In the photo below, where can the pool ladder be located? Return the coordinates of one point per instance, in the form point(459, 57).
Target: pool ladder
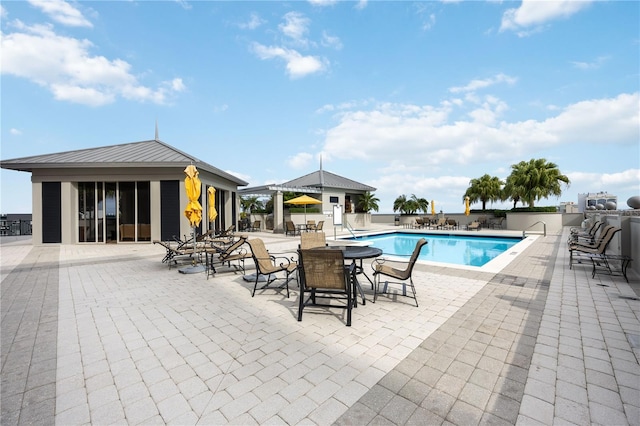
point(544, 229)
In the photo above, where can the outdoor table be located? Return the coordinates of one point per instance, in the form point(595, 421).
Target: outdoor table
point(355, 253)
point(301, 227)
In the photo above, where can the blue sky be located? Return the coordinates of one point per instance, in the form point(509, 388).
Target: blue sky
point(408, 97)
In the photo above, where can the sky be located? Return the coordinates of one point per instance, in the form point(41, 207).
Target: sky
point(410, 97)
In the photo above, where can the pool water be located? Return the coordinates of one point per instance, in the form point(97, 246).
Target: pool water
point(455, 249)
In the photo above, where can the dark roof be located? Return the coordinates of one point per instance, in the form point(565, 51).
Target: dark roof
point(325, 179)
point(152, 153)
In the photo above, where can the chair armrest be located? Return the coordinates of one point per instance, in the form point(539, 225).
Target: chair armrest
point(383, 260)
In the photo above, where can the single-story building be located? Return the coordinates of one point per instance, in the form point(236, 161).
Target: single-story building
point(132, 192)
point(330, 188)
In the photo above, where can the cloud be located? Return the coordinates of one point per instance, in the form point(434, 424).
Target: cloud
point(297, 65)
point(627, 179)
point(254, 22)
point(295, 27)
point(534, 13)
point(323, 3)
point(590, 65)
point(15, 132)
point(426, 136)
point(300, 161)
point(65, 66)
point(331, 41)
point(62, 13)
point(483, 84)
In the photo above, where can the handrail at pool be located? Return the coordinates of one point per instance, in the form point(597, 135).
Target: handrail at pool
point(544, 229)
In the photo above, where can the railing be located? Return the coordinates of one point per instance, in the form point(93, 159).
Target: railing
point(544, 229)
point(350, 229)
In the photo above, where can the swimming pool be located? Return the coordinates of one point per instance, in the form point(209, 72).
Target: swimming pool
point(443, 248)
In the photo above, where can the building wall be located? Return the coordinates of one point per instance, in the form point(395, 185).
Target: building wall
point(69, 194)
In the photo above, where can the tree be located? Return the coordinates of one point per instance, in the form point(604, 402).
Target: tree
point(368, 202)
point(511, 191)
point(485, 188)
point(410, 205)
point(251, 204)
point(421, 204)
point(537, 179)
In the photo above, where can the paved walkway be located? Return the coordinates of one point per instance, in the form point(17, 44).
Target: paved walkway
point(108, 335)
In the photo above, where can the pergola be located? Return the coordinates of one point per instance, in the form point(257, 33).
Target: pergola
point(278, 202)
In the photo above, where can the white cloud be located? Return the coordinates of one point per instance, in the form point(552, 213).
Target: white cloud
point(15, 132)
point(626, 180)
point(65, 66)
point(296, 26)
point(323, 3)
point(300, 161)
point(483, 84)
point(331, 41)
point(62, 12)
point(534, 13)
point(426, 136)
point(254, 22)
point(297, 65)
point(597, 63)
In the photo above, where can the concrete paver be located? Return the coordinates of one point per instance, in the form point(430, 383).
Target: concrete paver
point(135, 342)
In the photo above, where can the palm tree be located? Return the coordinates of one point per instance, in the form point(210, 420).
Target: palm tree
point(368, 202)
point(251, 204)
point(485, 188)
point(401, 204)
point(511, 191)
point(421, 203)
point(536, 179)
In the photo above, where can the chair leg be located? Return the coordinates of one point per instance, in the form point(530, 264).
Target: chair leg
point(301, 304)
point(413, 288)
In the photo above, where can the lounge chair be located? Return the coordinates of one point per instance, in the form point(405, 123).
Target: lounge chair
point(419, 223)
point(589, 236)
point(387, 268)
point(323, 275)
point(439, 224)
point(290, 228)
point(593, 243)
point(496, 224)
point(309, 240)
point(474, 226)
point(576, 250)
point(174, 252)
point(234, 252)
point(450, 224)
point(266, 265)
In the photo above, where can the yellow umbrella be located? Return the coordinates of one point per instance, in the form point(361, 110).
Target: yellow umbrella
point(433, 208)
point(192, 185)
point(467, 210)
point(303, 200)
point(212, 204)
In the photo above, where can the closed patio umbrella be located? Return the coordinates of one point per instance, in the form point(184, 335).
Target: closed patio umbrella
point(433, 208)
point(211, 208)
point(467, 210)
point(193, 211)
point(303, 200)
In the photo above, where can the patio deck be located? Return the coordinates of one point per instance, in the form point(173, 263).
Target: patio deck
point(107, 334)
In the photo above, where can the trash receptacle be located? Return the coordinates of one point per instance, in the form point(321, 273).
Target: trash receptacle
point(396, 220)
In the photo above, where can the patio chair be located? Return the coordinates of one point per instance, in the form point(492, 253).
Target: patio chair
point(589, 236)
point(323, 275)
point(267, 264)
point(309, 240)
point(593, 243)
point(311, 225)
point(174, 252)
point(576, 250)
point(401, 276)
point(255, 226)
point(290, 228)
point(227, 232)
point(217, 255)
point(439, 224)
point(319, 226)
point(474, 226)
point(497, 224)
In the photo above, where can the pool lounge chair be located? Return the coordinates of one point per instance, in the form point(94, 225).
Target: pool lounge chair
point(473, 226)
point(439, 224)
point(220, 255)
point(577, 251)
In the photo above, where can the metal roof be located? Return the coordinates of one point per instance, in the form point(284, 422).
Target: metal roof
point(152, 153)
point(324, 179)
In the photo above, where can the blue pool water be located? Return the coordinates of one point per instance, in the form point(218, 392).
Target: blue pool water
point(455, 249)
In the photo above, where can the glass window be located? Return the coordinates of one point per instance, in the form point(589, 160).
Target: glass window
point(144, 211)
